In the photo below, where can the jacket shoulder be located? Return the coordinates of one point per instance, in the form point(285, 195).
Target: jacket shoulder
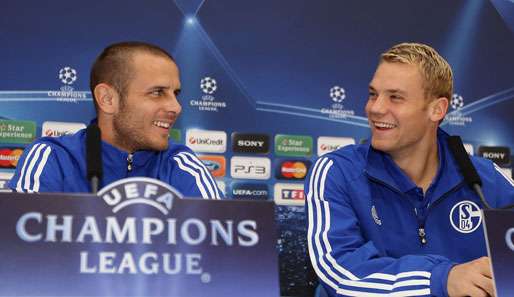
point(350, 159)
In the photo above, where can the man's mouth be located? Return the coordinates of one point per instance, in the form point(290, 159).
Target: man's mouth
point(162, 124)
point(383, 125)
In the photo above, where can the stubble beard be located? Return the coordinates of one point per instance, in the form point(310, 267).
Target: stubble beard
point(130, 133)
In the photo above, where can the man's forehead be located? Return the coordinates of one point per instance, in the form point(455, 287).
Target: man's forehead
point(396, 76)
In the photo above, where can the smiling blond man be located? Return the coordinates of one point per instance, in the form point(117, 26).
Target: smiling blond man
point(135, 87)
point(393, 217)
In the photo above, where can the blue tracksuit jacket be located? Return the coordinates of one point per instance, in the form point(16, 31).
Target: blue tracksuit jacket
point(372, 232)
point(59, 165)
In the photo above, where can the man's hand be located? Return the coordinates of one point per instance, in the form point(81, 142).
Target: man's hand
point(471, 279)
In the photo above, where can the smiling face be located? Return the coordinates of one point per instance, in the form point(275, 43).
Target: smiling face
point(150, 106)
point(401, 118)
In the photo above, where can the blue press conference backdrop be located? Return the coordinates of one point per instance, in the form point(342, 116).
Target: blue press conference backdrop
point(261, 67)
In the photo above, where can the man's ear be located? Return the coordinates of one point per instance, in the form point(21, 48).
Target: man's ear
point(107, 98)
point(438, 109)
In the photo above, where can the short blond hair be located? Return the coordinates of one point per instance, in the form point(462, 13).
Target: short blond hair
point(435, 70)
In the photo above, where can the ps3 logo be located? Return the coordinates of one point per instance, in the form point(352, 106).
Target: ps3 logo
point(250, 168)
point(465, 216)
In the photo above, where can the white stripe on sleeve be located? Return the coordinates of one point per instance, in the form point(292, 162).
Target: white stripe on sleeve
point(28, 174)
point(503, 174)
point(194, 174)
point(24, 167)
point(40, 167)
point(207, 178)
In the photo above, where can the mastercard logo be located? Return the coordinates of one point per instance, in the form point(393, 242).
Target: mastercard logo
point(9, 157)
point(292, 169)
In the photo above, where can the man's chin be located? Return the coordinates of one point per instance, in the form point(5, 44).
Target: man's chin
point(381, 145)
point(160, 147)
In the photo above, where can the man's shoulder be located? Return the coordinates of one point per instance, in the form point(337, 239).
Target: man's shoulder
point(176, 148)
point(350, 155)
point(71, 144)
point(482, 164)
point(350, 159)
point(65, 142)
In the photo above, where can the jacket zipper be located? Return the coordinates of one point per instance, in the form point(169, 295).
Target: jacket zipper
point(129, 162)
point(421, 221)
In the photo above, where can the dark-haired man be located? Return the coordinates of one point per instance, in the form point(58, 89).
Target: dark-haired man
point(135, 87)
point(394, 217)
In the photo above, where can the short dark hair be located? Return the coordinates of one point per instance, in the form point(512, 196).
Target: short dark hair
point(113, 65)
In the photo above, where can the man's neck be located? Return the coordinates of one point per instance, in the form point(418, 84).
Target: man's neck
point(420, 164)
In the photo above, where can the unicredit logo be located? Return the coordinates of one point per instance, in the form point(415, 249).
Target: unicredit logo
point(326, 147)
point(328, 144)
point(207, 141)
point(56, 129)
point(250, 143)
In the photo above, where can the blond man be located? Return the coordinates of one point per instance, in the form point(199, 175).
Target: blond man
point(393, 217)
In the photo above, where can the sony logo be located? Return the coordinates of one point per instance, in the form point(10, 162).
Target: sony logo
point(492, 155)
point(250, 143)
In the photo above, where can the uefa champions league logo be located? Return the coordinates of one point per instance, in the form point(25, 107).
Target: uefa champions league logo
point(457, 102)
point(68, 75)
point(456, 117)
point(208, 85)
point(208, 102)
point(337, 94)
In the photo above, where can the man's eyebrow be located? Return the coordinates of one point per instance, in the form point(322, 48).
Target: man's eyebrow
point(158, 87)
point(396, 91)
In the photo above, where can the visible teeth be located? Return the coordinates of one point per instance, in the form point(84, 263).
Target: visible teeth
point(384, 125)
point(161, 124)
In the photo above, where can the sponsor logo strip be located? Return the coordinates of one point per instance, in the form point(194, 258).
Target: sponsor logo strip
point(9, 157)
point(250, 167)
point(289, 194)
point(5, 177)
point(498, 154)
point(328, 144)
point(292, 169)
point(17, 131)
point(56, 129)
point(293, 145)
point(216, 164)
point(254, 191)
point(250, 143)
point(206, 141)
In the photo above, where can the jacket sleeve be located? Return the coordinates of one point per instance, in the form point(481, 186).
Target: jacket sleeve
point(37, 170)
point(192, 178)
point(347, 264)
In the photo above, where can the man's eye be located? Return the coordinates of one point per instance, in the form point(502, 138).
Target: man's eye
point(157, 92)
